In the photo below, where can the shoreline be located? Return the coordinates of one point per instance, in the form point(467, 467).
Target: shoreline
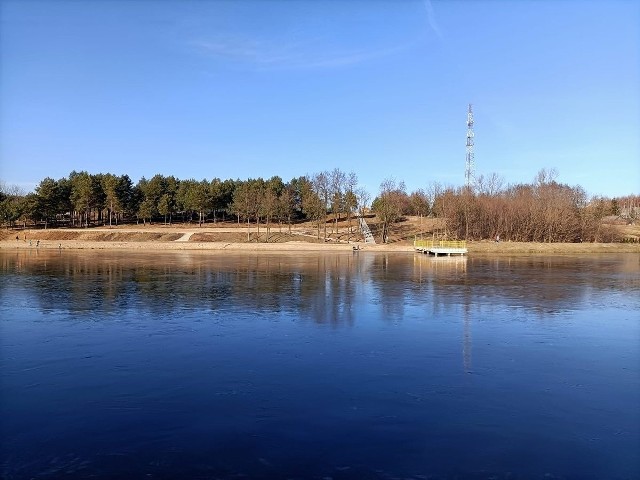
point(474, 248)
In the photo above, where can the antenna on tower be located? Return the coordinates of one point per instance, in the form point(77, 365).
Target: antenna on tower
point(469, 164)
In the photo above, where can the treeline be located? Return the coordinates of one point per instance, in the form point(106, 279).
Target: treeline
point(546, 212)
point(83, 199)
point(542, 211)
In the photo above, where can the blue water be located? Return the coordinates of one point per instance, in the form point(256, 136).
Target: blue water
point(196, 365)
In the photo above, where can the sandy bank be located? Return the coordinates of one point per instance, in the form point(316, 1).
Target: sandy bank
point(475, 248)
point(175, 245)
point(517, 248)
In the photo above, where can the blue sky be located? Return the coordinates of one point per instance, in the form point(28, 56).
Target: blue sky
point(203, 89)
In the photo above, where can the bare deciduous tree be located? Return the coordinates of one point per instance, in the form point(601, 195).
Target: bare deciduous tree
point(389, 204)
point(322, 187)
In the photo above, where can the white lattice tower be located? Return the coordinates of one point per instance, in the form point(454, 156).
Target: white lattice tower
point(469, 164)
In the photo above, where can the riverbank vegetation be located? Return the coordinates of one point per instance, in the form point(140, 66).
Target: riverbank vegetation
point(542, 211)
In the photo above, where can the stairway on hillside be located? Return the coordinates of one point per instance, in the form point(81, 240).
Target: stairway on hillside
point(364, 228)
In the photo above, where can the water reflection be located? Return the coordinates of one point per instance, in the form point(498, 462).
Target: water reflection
point(354, 365)
point(337, 289)
point(321, 286)
point(427, 269)
point(324, 287)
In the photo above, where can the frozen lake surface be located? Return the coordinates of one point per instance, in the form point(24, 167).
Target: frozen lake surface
point(196, 365)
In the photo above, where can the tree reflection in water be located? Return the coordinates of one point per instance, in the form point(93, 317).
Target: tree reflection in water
point(324, 287)
point(225, 365)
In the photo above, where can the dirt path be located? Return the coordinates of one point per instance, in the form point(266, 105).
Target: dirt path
point(185, 237)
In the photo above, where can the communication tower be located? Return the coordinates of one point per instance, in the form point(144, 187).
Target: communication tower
point(469, 164)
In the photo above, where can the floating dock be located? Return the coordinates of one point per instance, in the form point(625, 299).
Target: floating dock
point(441, 247)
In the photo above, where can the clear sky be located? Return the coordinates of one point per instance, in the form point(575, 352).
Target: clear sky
point(237, 89)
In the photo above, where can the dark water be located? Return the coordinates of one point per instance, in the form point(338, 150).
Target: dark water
point(192, 365)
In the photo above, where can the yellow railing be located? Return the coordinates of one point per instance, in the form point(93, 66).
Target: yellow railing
point(440, 243)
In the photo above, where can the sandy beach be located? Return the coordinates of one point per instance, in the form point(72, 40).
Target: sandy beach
point(233, 239)
point(175, 245)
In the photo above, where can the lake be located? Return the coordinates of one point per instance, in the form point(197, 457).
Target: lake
point(353, 365)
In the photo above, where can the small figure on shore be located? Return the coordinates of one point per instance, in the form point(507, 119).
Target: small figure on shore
point(17, 238)
point(497, 238)
point(30, 243)
point(37, 243)
point(59, 246)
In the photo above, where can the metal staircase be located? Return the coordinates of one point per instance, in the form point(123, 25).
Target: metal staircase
point(364, 228)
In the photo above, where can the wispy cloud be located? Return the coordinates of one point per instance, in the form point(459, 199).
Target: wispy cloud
point(228, 49)
point(291, 55)
point(431, 19)
point(355, 57)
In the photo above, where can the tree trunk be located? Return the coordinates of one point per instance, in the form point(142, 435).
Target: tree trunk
point(325, 227)
point(268, 229)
